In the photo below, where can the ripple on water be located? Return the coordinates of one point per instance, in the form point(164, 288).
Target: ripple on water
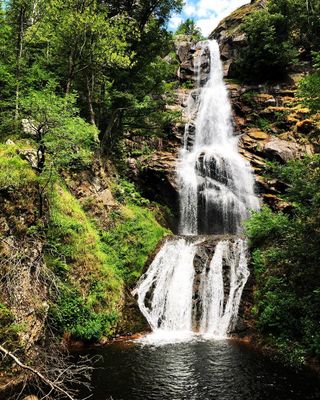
point(197, 369)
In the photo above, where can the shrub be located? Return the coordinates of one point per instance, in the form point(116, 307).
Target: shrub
point(14, 171)
point(91, 287)
point(285, 260)
point(268, 53)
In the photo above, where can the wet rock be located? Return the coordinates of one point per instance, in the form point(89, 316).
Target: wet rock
point(182, 48)
point(241, 326)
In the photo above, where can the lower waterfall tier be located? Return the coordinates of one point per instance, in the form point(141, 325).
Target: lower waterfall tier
point(195, 284)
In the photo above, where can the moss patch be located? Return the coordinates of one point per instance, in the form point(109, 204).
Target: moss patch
point(14, 171)
point(95, 266)
point(134, 236)
point(91, 294)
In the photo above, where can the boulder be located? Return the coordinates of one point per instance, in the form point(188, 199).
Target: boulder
point(29, 127)
point(29, 155)
point(282, 150)
point(306, 126)
point(182, 50)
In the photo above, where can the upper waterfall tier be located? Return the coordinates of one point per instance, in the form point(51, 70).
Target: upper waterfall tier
point(216, 183)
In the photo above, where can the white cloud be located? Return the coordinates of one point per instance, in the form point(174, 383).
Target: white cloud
point(206, 13)
point(207, 25)
point(175, 21)
point(189, 10)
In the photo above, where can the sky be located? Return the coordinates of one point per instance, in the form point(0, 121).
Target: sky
point(206, 13)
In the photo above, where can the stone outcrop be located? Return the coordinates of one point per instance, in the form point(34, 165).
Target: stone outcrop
point(230, 36)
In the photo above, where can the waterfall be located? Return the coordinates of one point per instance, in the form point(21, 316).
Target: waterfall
point(217, 186)
point(171, 274)
point(191, 286)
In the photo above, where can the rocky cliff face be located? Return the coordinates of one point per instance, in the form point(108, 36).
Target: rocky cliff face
point(230, 36)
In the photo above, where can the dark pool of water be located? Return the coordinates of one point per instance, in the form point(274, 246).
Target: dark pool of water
point(203, 370)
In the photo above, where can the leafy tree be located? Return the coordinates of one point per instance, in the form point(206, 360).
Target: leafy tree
point(268, 54)
point(302, 19)
point(7, 78)
point(309, 87)
point(286, 250)
point(189, 28)
point(62, 139)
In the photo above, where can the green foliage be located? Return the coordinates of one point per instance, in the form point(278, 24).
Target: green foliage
point(110, 53)
point(309, 87)
point(133, 237)
point(15, 172)
point(125, 191)
point(263, 124)
point(91, 287)
point(285, 259)
point(275, 36)
point(93, 265)
point(268, 53)
point(189, 28)
point(8, 328)
point(60, 135)
point(265, 224)
point(74, 315)
point(301, 19)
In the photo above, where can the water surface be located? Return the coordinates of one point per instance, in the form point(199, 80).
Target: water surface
point(196, 370)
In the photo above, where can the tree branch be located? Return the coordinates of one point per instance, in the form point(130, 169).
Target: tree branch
point(43, 378)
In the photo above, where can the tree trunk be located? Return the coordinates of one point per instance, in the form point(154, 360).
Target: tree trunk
point(19, 59)
point(70, 72)
point(89, 99)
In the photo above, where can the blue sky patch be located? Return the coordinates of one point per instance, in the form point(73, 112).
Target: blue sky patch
point(206, 13)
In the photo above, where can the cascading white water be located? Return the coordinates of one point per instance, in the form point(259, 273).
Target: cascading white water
point(166, 291)
point(217, 186)
point(216, 194)
point(218, 317)
point(171, 274)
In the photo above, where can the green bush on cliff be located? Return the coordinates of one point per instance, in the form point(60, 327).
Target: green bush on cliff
point(74, 315)
point(14, 171)
point(309, 87)
point(94, 265)
point(189, 28)
point(286, 253)
point(62, 138)
point(268, 54)
point(8, 328)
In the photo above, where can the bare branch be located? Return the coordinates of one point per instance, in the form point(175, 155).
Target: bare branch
point(43, 378)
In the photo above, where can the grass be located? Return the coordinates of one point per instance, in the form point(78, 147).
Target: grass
point(14, 171)
point(128, 244)
point(95, 266)
point(91, 294)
